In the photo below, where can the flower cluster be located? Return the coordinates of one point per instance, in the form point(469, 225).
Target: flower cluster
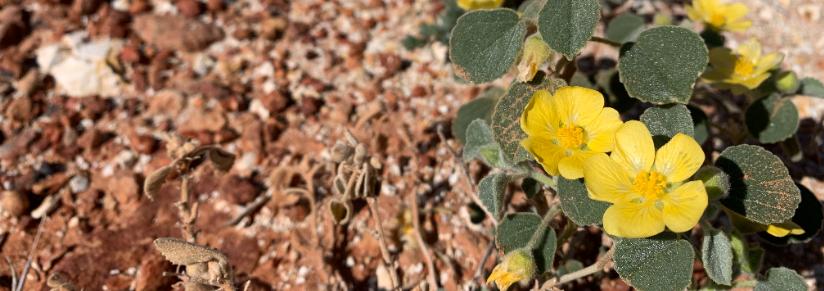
point(570, 132)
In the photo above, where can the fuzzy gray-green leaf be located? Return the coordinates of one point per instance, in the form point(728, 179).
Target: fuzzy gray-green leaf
point(812, 87)
point(480, 107)
point(658, 263)
point(772, 119)
point(667, 121)
point(625, 27)
point(663, 65)
point(577, 205)
point(761, 188)
point(567, 25)
point(492, 191)
point(716, 254)
point(486, 43)
point(781, 279)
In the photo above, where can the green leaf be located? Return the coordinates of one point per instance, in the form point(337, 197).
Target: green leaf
point(567, 25)
point(772, 119)
point(748, 259)
point(812, 87)
point(506, 116)
point(569, 266)
point(478, 108)
point(761, 188)
point(663, 65)
point(486, 43)
point(782, 279)
point(658, 263)
point(625, 28)
point(577, 205)
point(716, 254)
point(492, 191)
point(808, 215)
point(665, 122)
point(700, 120)
point(480, 143)
point(516, 229)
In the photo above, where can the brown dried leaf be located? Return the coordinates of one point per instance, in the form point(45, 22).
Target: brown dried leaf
point(181, 252)
point(155, 180)
point(222, 160)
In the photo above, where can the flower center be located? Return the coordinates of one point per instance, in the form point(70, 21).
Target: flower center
point(651, 185)
point(717, 20)
point(743, 67)
point(571, 137)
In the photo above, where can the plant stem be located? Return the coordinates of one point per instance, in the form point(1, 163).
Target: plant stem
point(605, 41)
point(548, 181)
point(598, 266)
point(538, 235)
point(568, 231)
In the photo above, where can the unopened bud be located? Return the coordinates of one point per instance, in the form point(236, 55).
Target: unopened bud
point(536, 53)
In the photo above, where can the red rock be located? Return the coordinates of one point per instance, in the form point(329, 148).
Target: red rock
point(189, 8)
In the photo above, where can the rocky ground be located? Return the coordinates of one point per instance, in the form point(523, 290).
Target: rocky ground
point(92, 91)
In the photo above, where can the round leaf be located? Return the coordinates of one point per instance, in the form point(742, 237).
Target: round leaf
point(663, 65)
point(577, 205)
point(480, 107)
point(782, 279)
point(772, 119)
point(515, 231)
point(567, 25)
point(486, 43)
point(624, 28)
point(665, 122)
point(761, 188)
point(808, 215)
point(492, 191)
point(812, 87)
point(658, 263)
point(716, 254)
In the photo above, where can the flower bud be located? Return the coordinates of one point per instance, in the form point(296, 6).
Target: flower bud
point(517, 265)
point(787, 82)
point(715, 181)
point(536, 53)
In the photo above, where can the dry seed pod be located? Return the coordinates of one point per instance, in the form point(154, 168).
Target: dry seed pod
point(222, 160)
point(341, 152)
point(181, 252)
point(341, 210)
point(360, 154)
point(155, 180)
point(57, 281)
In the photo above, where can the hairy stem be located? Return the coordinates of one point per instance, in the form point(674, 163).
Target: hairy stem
point(538, 235)
point(604, 41)
point(598, 266)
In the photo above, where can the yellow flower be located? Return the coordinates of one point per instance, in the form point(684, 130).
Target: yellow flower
point(785, 228)
point(647, 189)
point(719, 16)
point(516, 266)
point(565, 129)
point(536, 53)
point(479, 4)
point(745, 67)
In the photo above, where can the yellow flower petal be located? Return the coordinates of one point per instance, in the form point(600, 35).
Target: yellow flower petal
point(785, 228)
point(545, 152)
point(738, 25)
point(577, 105)
point(605, 179)
point(684, 206)
point(634, 149)
point(633, 220)
point(736, 11)
point(538, 117)
point(601, 132)
point(753, 81)
point(679, 158)
point(750, 50)
point(768, 62)
point(572, 167)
